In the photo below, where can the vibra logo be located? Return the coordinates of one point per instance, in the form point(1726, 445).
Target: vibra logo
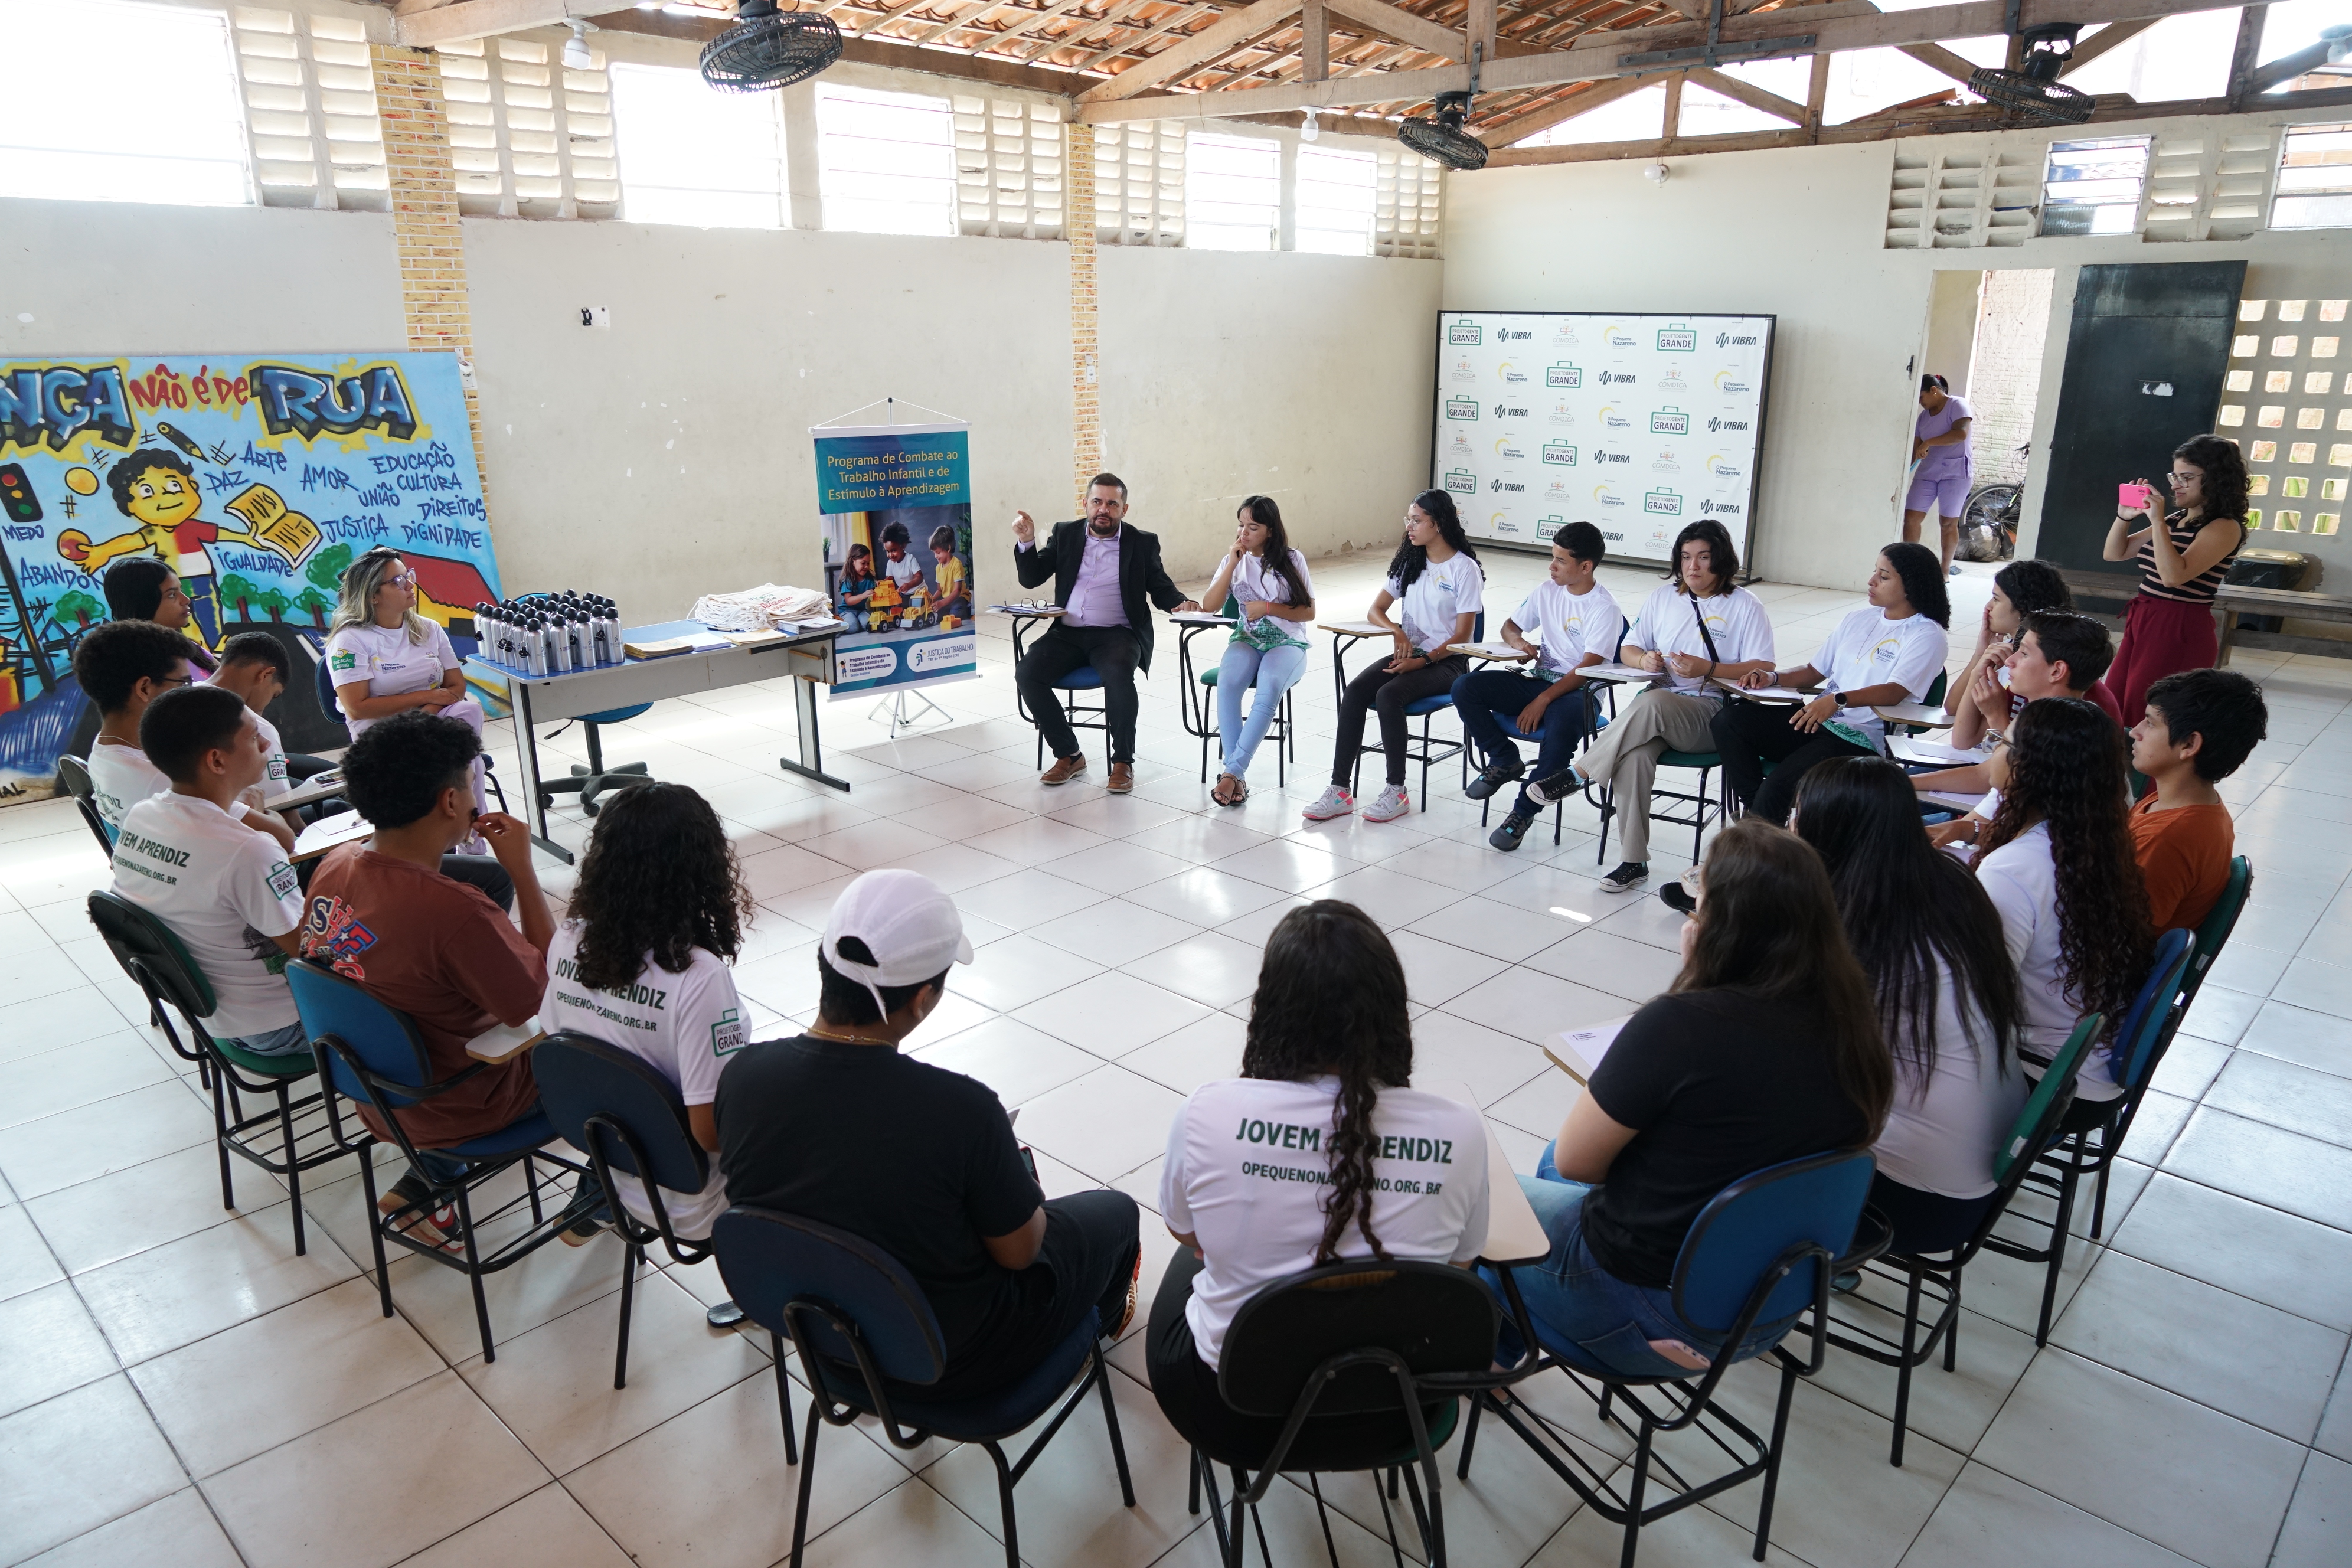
point(1613, 420)
point(1730, 384)
point(1720, 508)
point(1462, 408)
point(1461, 482)
point(1677, 339)
point(1511, 337)
point(1618, 378)
point(1505, 487)
point(1606, 495)
point(1463, 334)
point(1567, 375)
point(1662, 502)
point(1560, 453)
point(1511, 377)
point(1610, 455)
point(1505, 449)
point(1505, 411)
point(1727, 424)
point(1723, 468)
point(1612, 536)
point(1669, 421)
point(1726, 340)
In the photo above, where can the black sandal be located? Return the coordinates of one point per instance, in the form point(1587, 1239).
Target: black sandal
point(1217, 792)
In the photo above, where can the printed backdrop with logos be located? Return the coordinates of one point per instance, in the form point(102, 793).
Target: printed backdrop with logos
point(257, 478)
point(1635, 424)
point(896, 505)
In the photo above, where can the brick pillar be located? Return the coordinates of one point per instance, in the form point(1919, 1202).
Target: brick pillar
point(1078, 223)
point(433, 299)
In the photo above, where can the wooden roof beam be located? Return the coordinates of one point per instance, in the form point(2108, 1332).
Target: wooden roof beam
point(1541, 120)
point(1195, 49)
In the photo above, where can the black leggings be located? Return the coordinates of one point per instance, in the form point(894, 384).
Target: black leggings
point(1750, 734)
point(1376, 688)
point(1924, 1221)
point(1087, 1263)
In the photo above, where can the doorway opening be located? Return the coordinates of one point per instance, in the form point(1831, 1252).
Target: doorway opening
point(1985, 337)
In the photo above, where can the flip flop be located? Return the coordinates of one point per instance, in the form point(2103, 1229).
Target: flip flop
point(1219, 793)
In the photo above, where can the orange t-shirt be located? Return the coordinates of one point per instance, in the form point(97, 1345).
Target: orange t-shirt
point(2184, 858)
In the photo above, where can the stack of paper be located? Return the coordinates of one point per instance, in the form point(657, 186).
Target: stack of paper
point(1580, 1051)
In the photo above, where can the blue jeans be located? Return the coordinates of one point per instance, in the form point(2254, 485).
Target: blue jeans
point(1275, 671)
point(1577, 1300)
point(1478, 697)
point(283, 1042)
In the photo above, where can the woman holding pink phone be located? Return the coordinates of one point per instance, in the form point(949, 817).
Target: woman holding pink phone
point(2183, 556)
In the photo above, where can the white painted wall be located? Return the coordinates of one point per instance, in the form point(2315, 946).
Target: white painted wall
point(1800, 232)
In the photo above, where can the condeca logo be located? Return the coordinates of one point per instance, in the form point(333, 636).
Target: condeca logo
point(1457, 446)
point(1672, 380)
point(1727, 340)
point(1505, 449)
point(1461, 482)
point(1727, 424)
point(1560, 452)
point(1565, 374)
point(1463, 334)
point(1720, 508)
point(1675, 338)
point(1511, 377)
point(1662, 502)
point(1462, 408)
point(1564, 413)
point(1613, 420)
point(1665, 462)
point(1564, 335)
point(1465, 371)
point(1606, 495)
point(1669, 421)
point(1556, 492)
point(1730, 384)
point(1723, 468)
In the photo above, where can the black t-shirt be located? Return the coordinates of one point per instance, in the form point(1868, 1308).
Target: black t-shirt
point(1716, 1085)
point(917, 1160)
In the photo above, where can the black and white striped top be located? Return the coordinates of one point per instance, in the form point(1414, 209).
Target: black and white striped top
point(2198, 590)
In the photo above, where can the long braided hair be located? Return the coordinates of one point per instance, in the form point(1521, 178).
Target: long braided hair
point(1332, 1000)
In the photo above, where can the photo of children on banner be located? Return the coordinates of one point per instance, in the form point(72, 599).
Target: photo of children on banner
point(886, 584)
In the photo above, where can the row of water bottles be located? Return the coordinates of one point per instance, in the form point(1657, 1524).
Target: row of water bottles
point(549, 634)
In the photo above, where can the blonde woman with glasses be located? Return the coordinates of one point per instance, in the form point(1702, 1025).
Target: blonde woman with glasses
point(384, 658)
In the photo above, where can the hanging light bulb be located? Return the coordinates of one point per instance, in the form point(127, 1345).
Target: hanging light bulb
point(1310, 130)
point(575, 50)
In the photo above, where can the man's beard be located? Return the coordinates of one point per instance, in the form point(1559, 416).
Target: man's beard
point(1102, 528)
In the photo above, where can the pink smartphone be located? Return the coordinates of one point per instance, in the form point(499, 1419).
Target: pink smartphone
point(2132, 497)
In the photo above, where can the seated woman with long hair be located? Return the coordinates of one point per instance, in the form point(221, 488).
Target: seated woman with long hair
point(641, 959)
point(1931, 944)
point(2059, 865)
point(1766, 1050)
point(1305, 1179)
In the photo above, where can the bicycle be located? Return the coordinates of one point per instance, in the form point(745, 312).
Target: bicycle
point(1989, 522)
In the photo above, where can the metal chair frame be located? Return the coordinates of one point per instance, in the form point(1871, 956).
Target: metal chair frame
point(1079, 715)
point(1193, 705)
point(1423, 749)
point(1603, 692)
point(73, 773)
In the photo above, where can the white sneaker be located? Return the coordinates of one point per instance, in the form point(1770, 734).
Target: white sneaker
point(1393, 804)
point(1333, 802)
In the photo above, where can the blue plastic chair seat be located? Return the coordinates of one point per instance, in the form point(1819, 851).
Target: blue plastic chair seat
point(615, 715)
point(991, 1414)
point(1083, 679)
point(1421, 705)
point(514, 1138)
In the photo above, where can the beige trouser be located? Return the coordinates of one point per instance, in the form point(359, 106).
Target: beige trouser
point(1627, 756)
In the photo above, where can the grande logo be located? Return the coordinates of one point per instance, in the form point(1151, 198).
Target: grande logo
point(1560, 453)
point(1567, 375)
point(1727, 424)
point(1677, 339)
point(1669, 421)
point(1662, 502)
point(1463, 334)
point(1726, 340)
point(1461, 482)
point(1462, 408)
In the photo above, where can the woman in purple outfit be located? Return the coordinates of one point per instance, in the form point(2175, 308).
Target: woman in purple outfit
point(1939, 447)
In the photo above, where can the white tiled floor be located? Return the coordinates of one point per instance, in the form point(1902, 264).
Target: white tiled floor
point(174, 1381)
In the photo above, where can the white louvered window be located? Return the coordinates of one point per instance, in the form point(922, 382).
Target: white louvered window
point(1008, 168)
point(114, 102)
point(530, 136)
point(309, 101)
point(1233, 192)
point(2315, 178)
point(1410, 213)
point(1139, 183)
point(1338, 194)
point(886, 161)
point(2094, 186)
point(690, 154)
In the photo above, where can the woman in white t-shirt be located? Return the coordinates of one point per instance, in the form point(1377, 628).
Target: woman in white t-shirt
point(1701, 627)
point(1318, 1152)
point(1889, 650)
point(1436, 577)
point(383, 658)
point(641, 962)
point(1932, 946)
point(1267, 652)
point(2059, 865)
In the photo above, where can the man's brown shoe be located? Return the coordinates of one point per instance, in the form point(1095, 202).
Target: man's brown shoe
point(1122, 778)
point(1065, 769)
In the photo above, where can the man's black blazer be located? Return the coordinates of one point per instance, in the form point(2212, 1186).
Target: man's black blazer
point(1057, 556)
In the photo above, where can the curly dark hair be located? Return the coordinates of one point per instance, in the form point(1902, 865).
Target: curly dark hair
point(660, 878)
point(1331, 999)
point(2034, 586)
point(1406, 564)
point(112, 659)
point(2066, 763)
point(1923, 580)
point(125, 474)
point(2225, 476)
point(1911, 912)
point(399, 767)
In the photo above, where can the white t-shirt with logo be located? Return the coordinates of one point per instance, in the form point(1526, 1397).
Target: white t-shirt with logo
point(226, 890)
point(1736, 620)
point(1247, 1172)
point(1252, 581)
point(389, 663)
point(1868, 649)
point(1571, 625)
point(685, 1024)
point(276, 777)
point(120, 778)
point(1441, 591)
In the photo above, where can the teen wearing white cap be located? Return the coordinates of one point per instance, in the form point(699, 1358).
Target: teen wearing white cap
point(837, 1126)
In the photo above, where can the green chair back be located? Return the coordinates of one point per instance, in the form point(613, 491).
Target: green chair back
point(2214, 934)
point(2038, 1118)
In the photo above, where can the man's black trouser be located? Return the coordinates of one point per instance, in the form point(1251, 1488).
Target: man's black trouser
point(1112, 650)
point(1750, 734)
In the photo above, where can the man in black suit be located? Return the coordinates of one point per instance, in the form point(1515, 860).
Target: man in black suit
point(1102, 572)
